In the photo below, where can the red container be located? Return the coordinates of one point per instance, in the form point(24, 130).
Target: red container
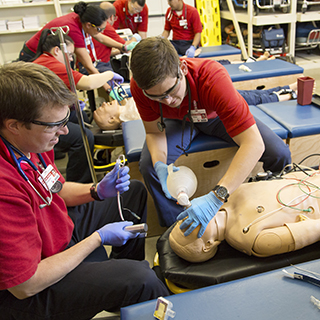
point(305, 89)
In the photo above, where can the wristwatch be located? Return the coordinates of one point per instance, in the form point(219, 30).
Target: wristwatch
point(94, 193)
point(221, 192)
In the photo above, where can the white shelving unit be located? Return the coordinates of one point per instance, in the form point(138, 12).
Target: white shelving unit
point(11, 41)
point(273, 18)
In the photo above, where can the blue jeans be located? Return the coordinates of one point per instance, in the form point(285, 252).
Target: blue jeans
point(275, 157)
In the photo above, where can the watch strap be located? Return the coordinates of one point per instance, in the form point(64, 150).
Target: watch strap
point(94, 193)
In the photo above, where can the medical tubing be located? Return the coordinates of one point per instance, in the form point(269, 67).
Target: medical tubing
point(64, 50)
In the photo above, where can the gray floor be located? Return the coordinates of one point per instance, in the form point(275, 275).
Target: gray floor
point(311, 64)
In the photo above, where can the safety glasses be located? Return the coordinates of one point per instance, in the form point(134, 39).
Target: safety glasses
point(166, 94)
point(98, 28)
point(52, 127)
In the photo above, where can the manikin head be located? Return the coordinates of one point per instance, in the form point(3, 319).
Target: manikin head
point(109, 116)
point(194, 249)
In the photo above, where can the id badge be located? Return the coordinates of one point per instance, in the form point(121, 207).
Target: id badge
point(199, 115)
point(49, 177)
point(183, 22)
point(88, 41)
point(137, 19)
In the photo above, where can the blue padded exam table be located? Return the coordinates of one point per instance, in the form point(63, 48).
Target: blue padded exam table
point(262, 69)
point(223, 51)
point(265, 296)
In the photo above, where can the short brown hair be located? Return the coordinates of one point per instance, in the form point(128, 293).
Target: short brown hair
point(152, 61)
point(26, 88)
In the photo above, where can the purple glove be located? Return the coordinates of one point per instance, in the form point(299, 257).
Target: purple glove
point(111, 184)
point(117, 78)
point(114, 234)
point(190, 52)
point(202, 210)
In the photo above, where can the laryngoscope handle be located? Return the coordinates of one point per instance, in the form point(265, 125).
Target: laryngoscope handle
point(142, 228)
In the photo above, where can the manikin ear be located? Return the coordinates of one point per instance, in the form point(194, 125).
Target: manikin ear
point(210, 245)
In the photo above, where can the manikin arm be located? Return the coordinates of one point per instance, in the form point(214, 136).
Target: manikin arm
point(290, 237)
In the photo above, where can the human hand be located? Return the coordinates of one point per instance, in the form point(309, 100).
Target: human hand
point(190, 52)
point(162, 173)
point(131, 45)
point(111, 184)
point(114, 94)
point(137, 37)
point(117, 78)
point(202, 210)
point(114, 234)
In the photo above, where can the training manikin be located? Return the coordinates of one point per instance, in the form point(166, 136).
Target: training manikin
point(254, 222)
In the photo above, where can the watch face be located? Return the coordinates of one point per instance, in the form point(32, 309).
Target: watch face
point(222, 192)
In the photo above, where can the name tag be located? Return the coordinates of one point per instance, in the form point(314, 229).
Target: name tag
point(137, 19)
point(183, 22)
point(199, 115)
point(49, 177)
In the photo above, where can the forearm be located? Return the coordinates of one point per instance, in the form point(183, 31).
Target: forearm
point(94, 81)
point(75, 194)
point(157, 145)
point(251, 148)
point(142, 34)
point(107, 41)
point(196, 39)
point(165, 34)
point(54, 268)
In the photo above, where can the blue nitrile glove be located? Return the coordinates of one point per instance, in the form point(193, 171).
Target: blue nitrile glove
point(111, 184)
point(137, 36)
point(190, 52)
point(131, 45)
point(115, 95)
point(82, 104)
point(202, 210)
point(162, 173)
point(117, 78)
point(114, 234)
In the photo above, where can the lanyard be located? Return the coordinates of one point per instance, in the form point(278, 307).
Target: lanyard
point(47, 201)
point(170, 15)
point(93, 50)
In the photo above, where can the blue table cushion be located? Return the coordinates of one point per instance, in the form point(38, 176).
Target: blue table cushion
point(266, 296)
point(215, 51)
point(298, 120)
point(262, 69)
point(134, 136)
point(271, 123)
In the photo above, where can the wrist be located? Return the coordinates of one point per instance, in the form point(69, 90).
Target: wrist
point(94, 192)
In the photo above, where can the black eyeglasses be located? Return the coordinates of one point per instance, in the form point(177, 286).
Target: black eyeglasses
point(98, 28)
point(52, 127)
point(166, 94)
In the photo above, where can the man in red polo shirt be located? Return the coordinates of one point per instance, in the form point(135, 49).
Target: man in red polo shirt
point(184, 21)
point(132, 14)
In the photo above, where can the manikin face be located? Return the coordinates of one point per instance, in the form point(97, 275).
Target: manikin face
point(176, 5)
point(192, 248)
point(107, 116)
point(172, 91)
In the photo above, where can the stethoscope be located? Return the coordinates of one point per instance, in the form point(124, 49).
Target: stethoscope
point(55, 188)
point(128, 21)
point(161, 125)
point(170, 15)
